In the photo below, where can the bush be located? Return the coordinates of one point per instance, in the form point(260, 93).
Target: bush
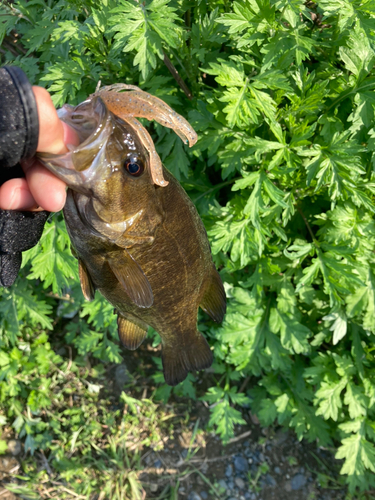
point(282, 96)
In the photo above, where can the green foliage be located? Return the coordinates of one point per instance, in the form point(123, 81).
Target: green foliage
point(224, 417)
point(145, 28)
point(283, 176)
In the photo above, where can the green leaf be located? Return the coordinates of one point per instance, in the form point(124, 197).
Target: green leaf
point(358, 454)
point(293, 334)
point(255, 203)
point(65, 79)
point(247, 332)
point(145, 29)
point(356, 401)
point(358, 56)
point(177, 160)
point(247, 181)
point(133, 403)
point(3, 447)
point(298, 250)
point(242, 107)
point(338, 277)
point(51, 260)
point(275, 193)
point(339, 326)
point(224, 417)
point(24, 491)
point(268, 412)
point(362, 301)
point(328, 399)
point(87, 341)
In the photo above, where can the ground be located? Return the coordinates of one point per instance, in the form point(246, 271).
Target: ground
point(258, 464)
point(182, 461)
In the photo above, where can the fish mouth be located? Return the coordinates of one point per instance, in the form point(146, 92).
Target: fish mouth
point(84, 164)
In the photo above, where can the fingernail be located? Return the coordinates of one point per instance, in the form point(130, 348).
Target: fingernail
point(59, 201)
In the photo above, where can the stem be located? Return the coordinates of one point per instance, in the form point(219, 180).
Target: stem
point(263, 325)
point(179, 62)
point(307, 224)
point(15, 313)
point(11, 49)
point(367, 86)
point(188, 18)
point(177, 77)
point(13, 42)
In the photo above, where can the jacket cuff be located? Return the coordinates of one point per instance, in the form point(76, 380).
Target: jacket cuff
point(21, 116)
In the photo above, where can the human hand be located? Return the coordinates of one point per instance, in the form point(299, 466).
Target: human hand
point(41, 188)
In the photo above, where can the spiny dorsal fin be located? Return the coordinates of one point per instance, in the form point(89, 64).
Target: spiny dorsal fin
point(88, 287)
point(214, 302)
point(130, 334)
point(131, 278)
point(192, 354)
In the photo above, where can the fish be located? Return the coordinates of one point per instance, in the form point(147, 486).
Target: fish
point(136, 234)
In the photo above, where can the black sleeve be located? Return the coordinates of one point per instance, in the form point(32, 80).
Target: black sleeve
point(19, 124)
point(19, 132)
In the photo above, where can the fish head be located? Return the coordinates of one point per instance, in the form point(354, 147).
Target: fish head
point(110, 167)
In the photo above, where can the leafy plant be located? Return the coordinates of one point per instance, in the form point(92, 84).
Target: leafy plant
point(282, 96)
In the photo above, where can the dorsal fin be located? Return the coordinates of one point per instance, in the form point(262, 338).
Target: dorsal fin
point(74, 252)
point(131, 278)
point(214, 302)
point(87, 285)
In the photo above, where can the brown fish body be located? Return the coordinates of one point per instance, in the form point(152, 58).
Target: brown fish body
point(145, 249)
point(180, 277)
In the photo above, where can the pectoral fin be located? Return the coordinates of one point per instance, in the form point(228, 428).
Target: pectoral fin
point(130, 334)
point(214, 302)
point(88, 287)
point(132, 278)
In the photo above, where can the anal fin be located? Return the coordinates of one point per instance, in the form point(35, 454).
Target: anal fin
point(214, 301)
point(130, 334)
point(132, 278)
point(88, 287)
point(179, 360)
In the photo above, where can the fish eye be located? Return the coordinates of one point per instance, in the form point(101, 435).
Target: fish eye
point(134, 166)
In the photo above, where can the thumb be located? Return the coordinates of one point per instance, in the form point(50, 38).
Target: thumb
point(53, 133)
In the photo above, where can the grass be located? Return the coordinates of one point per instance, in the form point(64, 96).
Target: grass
point(96, 443)
point(93, 443)
point(92, 446)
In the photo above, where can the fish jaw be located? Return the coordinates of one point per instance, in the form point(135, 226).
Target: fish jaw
point(84, 165)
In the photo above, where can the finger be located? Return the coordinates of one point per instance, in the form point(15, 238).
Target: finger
point(70, 137)
point(51, 132)
point(15, 195)
point(48, 191)
point(41, 189)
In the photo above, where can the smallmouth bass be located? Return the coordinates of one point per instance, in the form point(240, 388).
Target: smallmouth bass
point(137, 236)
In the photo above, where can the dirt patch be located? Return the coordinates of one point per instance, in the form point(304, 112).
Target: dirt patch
point(258, 464)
